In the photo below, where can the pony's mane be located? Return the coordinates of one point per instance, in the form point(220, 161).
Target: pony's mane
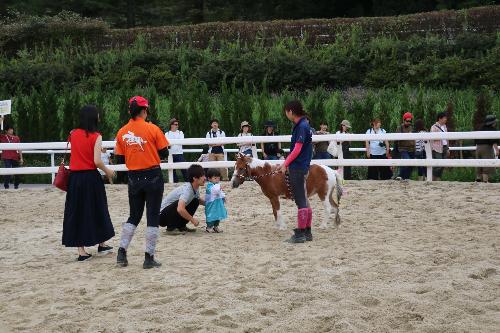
point(255, 163)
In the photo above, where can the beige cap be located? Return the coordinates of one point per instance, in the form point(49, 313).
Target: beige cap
point(245, 123)
point(346, 123)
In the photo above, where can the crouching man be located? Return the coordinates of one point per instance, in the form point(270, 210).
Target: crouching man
point(179, 206)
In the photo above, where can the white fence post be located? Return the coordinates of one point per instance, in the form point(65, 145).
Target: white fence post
point(52, 164)
point(428, 156)
point(340, 157)
point(170, 171)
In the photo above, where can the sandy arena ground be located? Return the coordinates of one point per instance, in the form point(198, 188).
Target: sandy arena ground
point(410, 257)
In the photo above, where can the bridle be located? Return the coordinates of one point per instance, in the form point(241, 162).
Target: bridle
point(252, 178)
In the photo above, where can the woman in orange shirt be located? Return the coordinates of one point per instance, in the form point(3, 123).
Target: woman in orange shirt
point(86, 216)
point(140, 145)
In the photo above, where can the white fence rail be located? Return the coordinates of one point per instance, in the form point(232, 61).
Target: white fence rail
point(59, 147)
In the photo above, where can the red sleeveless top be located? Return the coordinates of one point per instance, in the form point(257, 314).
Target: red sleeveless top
point(82, 150)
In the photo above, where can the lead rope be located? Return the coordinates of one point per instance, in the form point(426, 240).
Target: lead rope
point(288, 185)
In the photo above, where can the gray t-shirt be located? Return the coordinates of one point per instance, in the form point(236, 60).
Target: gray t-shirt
point(185, 193)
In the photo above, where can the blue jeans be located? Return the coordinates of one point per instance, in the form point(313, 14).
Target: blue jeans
point(248, 152)
point(272, 157)
point(6, 178)
point(405, 172)
point(179, 158)
point(324, 155)
point(420, 155)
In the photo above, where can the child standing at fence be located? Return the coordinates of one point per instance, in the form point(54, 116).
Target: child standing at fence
point(214, 202)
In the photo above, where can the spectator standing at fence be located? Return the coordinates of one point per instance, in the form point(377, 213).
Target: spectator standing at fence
point(176, 150)
point(142, 144)
point(320, 148)
point(345, 128)
point(270, 150)
point(439, 147)
point(216, 151)
point(180, 205)
point(245, 147)
point(486, 149)
point(106, 160)
point(378, 149)
point(420, 147)
point(406, 148)
point(11, 158)
point(86, 216)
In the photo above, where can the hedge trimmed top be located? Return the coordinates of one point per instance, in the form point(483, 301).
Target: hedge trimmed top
point(31, 31)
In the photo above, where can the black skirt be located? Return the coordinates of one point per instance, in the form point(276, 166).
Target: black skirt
point(86, 215)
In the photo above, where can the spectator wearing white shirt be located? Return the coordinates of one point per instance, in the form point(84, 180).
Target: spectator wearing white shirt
point(245, 147)
point(216, 151)
point(176, 150)
point(378, 149)
point(106, 160)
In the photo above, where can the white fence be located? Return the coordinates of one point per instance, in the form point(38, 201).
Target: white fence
point(429, 163)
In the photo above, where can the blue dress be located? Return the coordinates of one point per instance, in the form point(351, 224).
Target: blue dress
point(214, 203)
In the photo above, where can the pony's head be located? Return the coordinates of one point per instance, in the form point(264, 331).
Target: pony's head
point(241, 169)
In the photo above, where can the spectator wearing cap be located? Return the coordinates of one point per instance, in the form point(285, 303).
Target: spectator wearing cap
point(406, 148)
point(439, 147)
point(270, 150)
point(216, 151)
point(486, 149)
point(320, 147)
point(245, 130)
point(11, 158)
point(142, 144)
point(176, 150)
point(345, 128)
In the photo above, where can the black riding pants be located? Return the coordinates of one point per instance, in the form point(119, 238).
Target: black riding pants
point(145, 187)
point(298, 183)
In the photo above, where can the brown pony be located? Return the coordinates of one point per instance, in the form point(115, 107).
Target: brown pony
point(322, 180)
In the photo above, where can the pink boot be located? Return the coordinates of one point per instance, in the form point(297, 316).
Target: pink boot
point(307, 233)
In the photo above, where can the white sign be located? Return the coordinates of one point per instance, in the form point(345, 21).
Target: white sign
point(5, 107)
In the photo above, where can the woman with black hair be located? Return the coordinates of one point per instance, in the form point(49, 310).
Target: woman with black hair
point(141, 145)
point(86, 217)
point(297, 165)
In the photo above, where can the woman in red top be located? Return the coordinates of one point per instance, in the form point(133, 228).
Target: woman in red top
point(86, 216)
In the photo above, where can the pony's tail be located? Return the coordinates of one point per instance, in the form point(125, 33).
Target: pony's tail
point(337, 188)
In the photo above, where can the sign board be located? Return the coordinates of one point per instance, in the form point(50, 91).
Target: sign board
point(5, 107)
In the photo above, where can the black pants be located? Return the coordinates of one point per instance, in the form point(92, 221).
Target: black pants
point(379, 172)
point(179, 158)
point(170, 218)
point(11, 164)
point(298, 183)
point(145, 187)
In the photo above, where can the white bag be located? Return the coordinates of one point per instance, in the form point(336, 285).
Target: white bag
point(333, 148)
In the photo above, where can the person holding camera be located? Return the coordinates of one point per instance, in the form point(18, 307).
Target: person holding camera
point(378, 149)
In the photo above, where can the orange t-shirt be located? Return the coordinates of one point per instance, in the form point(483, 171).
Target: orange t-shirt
point(139, 141)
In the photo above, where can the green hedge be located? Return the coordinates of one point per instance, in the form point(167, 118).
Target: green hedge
point(32, 31)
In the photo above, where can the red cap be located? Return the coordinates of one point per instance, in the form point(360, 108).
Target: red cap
point(407, 115)
point(141, 101)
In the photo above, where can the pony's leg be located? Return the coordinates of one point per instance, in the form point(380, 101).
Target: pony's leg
point(328, 212)
point(280, 224)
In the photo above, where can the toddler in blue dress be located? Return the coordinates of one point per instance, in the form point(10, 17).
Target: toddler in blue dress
point(214, 202)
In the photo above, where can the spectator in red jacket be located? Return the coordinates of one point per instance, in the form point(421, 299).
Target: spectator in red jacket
point(11, 158)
